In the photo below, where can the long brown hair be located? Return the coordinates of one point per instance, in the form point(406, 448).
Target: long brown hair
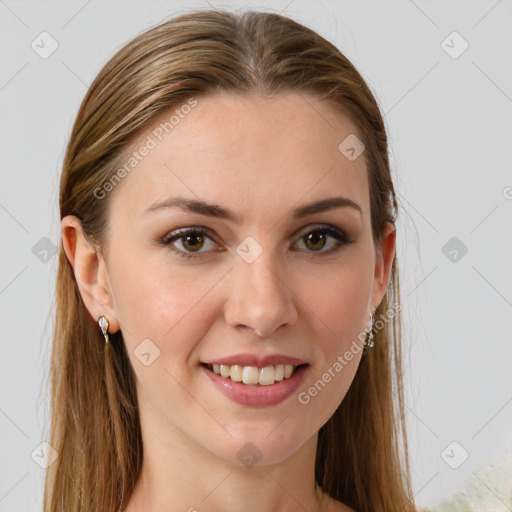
point(362, 450)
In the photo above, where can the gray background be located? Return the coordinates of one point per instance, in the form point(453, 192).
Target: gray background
point(450, 130)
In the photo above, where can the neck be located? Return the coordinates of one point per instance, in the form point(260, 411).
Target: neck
point(178, 475)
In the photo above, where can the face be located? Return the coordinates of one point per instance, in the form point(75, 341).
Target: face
point(256, 278)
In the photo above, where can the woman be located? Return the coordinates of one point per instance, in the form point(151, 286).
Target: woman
point(227, 329)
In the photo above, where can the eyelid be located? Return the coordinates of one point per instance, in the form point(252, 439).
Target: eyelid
point(318, 227)
point(177, 233)
point(337, 233)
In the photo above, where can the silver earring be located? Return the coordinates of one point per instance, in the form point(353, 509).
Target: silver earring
point(369, 343)
point(103, 323)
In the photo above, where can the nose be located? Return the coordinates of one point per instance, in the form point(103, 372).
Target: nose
point(260, 298)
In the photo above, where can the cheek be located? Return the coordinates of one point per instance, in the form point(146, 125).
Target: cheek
point(341, 305)
point(162, 301)
point(339, 297)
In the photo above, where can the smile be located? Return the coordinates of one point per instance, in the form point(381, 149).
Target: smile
point(256, 386)
point(253, 375)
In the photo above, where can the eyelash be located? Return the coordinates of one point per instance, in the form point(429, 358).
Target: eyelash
point(168, 239)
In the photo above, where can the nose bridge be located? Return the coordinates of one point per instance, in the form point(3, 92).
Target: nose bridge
point(259, 296)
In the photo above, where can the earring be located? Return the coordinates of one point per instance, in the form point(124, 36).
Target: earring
point(103, 323)
point(369, 343)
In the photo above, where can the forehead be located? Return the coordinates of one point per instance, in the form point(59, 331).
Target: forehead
point(249, 151)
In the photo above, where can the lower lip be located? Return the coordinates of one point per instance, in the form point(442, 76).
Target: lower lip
point(257, 395)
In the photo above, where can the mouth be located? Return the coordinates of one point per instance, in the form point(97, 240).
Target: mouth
point(254, 375)
point(256, 386)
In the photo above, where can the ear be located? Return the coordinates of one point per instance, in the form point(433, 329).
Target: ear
point(384, 261)
point(90, 272)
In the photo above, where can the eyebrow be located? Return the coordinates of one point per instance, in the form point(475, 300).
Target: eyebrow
point(213, 210)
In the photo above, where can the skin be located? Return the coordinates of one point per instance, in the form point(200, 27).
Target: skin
point(261, 158)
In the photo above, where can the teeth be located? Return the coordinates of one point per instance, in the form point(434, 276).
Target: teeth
point(235, 373)
point(225, 370)
point(253, 375)
point(267, 376)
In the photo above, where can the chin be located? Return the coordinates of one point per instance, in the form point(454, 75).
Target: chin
point(257, 449)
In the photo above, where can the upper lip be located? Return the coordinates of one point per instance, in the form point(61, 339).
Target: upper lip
point(257, 360)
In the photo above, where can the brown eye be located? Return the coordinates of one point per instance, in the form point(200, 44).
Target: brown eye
point(195, 241)
point(192, 242)
point(315, 241)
